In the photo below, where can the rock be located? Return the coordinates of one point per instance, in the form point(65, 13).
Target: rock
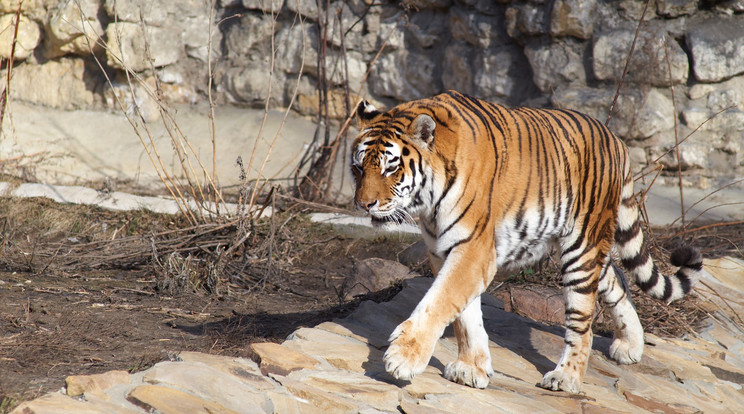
point(241, 84)
point(502, 74)
point(97, 383)
point(339, 351)
point(456, 68)
point(415, 77)
point(195, 32)
point(197, 380)
point(527, 20)
point(676, 8)
point(307, 8)
point(250, 38)
point(556, 64)
point(373, 275)
point(426, 4)
point(648, 65)
point(573, 18)
point(354, 386)
point(414, 255)
point(168, 400)
point(74, 28)
point(729, 6)
point(29, 36)
point(266, 6)
point(276, 359)
point(428, 28)
point(638, 114)
point(60, 83)
point(126, 46)
point(316, 397)
point(132, 11)
point(476, 29)
point(538, 303)
point(717, 50)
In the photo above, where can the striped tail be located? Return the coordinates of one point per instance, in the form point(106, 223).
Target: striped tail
point(637, 261)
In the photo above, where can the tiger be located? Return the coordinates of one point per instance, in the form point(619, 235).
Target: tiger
point(495, 187)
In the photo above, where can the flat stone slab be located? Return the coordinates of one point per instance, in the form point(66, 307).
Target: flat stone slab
point(336, 367)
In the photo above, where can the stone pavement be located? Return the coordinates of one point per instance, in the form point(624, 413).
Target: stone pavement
point(336, 367)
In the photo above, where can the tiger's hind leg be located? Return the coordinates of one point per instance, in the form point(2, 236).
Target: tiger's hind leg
point(473, 364)
point(627, 346)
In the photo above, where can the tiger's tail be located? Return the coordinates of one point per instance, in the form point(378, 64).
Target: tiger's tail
point(637, 261)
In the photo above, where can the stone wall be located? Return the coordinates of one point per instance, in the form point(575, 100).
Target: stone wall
point(688, 63)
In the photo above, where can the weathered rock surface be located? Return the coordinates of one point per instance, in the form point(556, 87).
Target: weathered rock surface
point(337, 367)
point(717, 50)
point(373, 275)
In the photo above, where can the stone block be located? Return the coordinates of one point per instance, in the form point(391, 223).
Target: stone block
point(717, 49)
point(74, 28)
point(556, 64)
point(373, 275)
point(477, 29)
point(573, 18)
point(61, 83)
point(128, 47)
point(648, 65)
point(266, 6)
point(29, 36)
point(276, 359)
point(676, 8)
point(96, 383)
point(525, 20)
point(171, 401)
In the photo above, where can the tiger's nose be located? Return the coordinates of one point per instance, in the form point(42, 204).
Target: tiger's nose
point(367, 205)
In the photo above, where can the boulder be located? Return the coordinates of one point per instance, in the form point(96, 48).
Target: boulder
point(676, 8)
point(648, 65)
point(128, 48)
point(60, 83)
point(373, 275)
point(74, 28)
point(556, 64)
point(573, 18)
point(717, 49)
point(415, 78)
point(477, 29)
point(266, 6)
point(29, 36)
point(502, 74)
point(638, 114)
point(526, 20)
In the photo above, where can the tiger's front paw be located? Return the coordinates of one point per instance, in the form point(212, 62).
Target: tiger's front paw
point(471, 375)
point(559, 380)
point(408, 353)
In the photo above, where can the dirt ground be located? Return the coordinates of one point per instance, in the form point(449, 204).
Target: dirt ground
point(84, 291)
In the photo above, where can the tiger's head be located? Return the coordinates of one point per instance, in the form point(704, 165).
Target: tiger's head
point(389, 160)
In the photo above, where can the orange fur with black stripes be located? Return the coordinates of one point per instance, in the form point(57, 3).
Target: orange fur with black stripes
point(494, 187)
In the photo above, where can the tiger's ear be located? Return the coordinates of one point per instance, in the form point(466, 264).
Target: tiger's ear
point(422, 128)
point(365, 113)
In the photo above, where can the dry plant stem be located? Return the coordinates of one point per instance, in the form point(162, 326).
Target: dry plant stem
point(210, 79)
point(5, 98)
point(676, 134)
point(184, 209)
point(627, 64)
point(284, 118)
point(266, 107)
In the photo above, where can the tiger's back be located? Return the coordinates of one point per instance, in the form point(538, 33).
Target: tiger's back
point(493, 187)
